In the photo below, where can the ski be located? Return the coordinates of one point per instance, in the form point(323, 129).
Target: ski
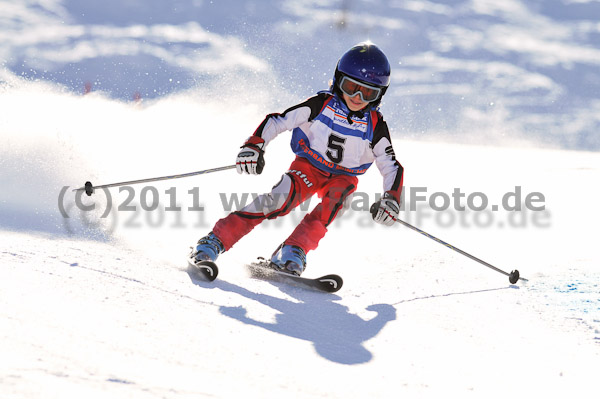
point(262, 269)
point(206, 269)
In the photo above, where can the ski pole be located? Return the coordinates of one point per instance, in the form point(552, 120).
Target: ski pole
point(513, 276)
point(89, 188)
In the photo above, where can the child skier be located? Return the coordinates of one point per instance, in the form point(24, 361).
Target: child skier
point(336, 137)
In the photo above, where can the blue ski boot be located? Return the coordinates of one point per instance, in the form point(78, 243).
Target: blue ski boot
point(289, 259)
point(208, 248)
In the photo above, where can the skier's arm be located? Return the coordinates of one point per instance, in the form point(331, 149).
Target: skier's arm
point(385, 159)
point(273, 124)
point(387, 209)
point(251, 157)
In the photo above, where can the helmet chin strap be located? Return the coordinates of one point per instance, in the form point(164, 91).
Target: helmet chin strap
point(360, 114)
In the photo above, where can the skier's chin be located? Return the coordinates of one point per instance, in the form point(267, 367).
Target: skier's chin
point(354, 105)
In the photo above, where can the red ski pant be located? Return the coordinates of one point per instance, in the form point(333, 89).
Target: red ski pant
point(297, 185)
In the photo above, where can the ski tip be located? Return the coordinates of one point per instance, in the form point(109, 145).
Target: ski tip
point(206, 269)
point(331, 282)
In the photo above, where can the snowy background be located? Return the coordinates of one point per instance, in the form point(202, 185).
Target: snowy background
point(487, 96)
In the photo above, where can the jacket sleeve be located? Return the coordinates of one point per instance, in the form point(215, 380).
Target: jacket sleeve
point(385, 159)
point(273, 124)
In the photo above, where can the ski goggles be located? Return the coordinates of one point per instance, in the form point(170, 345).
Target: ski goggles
point(352, 87)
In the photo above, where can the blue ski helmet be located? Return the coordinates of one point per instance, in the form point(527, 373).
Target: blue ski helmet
point(364, 62)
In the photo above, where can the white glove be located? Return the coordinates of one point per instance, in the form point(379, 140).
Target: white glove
point(386, 211)
point(251, 159)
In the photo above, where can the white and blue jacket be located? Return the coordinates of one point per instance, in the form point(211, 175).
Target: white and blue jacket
point(336, 140)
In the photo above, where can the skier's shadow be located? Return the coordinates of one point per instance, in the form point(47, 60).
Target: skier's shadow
point(336, 334)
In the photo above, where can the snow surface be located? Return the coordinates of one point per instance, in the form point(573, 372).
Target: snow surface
point(108, 310)
point(99, 303)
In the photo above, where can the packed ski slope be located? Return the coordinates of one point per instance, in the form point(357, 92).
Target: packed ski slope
point(103, 307)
